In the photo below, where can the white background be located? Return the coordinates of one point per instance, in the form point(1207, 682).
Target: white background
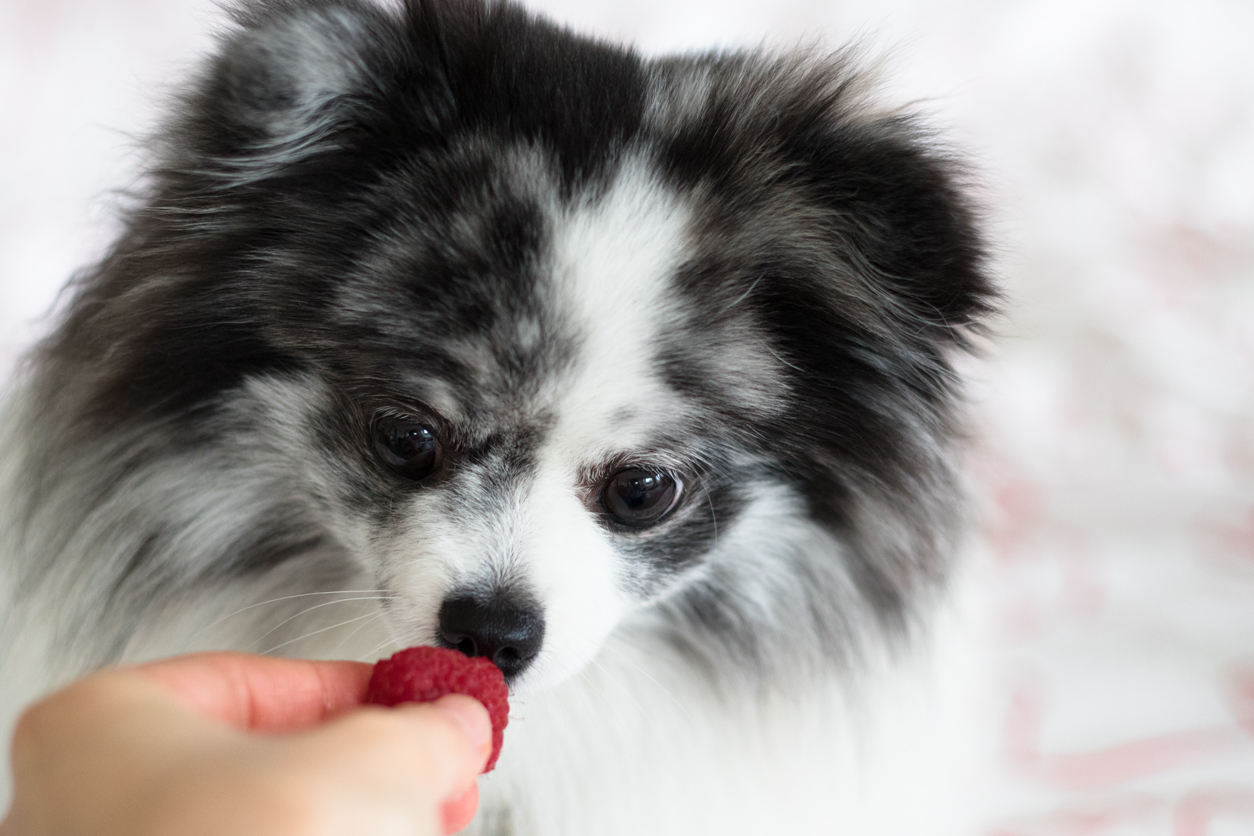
point(1114, 573)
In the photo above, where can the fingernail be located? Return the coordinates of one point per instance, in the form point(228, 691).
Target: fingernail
point(471, 714)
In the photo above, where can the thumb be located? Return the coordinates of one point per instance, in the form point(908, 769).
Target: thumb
point(414, 761)
point(459, 808)
point(472, 720)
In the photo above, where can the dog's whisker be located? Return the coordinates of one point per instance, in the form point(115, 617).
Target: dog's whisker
point(357, 630)
point(218, 621)
point(308, 610)
point(609, 674)
point(614, 710)
point(312, 633)
point(603, 698)
point(374, 654)
point(683, 709)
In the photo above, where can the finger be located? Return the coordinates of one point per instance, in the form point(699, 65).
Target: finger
point(475, 723)
point(458, 812)
point(440, 747)
point(261, 693)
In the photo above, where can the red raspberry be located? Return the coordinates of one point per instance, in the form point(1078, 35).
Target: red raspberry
point(423, 674)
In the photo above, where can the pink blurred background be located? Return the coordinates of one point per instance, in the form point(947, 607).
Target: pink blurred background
point(1111, 587)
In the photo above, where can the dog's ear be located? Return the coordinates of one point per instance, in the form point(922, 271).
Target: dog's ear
point(879, 213)
point(905, 220)
point(291, 69)
point(294, 79)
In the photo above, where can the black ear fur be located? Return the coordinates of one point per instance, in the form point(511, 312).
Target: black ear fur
point(289, 80)
point(890, 221)
point(290, 65)
point(902, 209)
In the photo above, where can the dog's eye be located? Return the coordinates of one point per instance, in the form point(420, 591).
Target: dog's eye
point(639, 496)
point(407, 447)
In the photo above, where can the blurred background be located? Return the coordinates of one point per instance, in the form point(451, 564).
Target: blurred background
point(1111, 586)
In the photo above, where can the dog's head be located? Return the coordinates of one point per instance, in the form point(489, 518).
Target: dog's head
point(543, 334)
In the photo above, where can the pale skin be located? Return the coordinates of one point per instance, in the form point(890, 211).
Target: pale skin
point(226, 743)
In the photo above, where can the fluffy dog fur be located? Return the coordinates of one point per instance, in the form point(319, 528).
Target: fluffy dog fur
point(563, 260)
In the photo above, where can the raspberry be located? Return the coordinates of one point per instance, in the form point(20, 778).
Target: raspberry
point(423, 674)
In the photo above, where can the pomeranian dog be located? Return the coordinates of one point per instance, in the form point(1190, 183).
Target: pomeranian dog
point(440, 324)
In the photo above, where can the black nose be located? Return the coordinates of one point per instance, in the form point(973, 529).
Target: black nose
point(506, 631)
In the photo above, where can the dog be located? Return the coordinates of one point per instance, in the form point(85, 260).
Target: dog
point(440, 324)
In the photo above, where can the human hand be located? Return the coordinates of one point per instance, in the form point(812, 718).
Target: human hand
point(227, 743)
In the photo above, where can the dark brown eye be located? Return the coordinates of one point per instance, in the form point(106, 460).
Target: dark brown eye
point(407, 447)
point(640, 496)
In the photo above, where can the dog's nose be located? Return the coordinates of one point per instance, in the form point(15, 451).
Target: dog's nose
point(507, 632)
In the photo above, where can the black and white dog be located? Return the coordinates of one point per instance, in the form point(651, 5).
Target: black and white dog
point(441, 324)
